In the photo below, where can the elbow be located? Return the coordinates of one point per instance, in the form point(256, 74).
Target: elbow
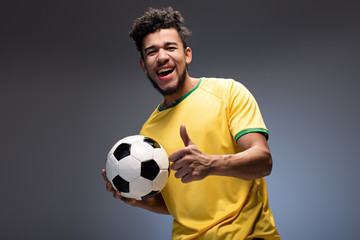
point(263, 167)
point(268, 164)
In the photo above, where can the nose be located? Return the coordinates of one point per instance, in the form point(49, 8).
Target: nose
point(162, 55)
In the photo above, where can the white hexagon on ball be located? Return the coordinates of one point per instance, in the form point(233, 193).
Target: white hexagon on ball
point(141, 186)
point(160, 181)
point(111, 167)
point(161, 157)
point(132, 139)
point(142, 151)
point(129, 168)
point(130, 195)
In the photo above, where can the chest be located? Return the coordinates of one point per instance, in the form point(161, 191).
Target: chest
point(206, 119)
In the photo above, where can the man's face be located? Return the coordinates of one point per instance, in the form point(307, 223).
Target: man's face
point(165, 60)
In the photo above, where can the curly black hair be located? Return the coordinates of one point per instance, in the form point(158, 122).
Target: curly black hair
point(155, 19)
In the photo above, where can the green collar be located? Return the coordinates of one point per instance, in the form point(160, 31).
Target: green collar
point(181, 99)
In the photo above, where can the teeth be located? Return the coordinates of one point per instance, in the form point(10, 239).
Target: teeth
point(165, 70)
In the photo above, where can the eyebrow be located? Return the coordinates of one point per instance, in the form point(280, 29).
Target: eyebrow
point(166, 44)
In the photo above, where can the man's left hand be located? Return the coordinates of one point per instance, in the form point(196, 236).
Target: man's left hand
point(189, 162)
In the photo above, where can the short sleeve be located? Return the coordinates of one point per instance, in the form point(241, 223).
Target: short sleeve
point(244, 112)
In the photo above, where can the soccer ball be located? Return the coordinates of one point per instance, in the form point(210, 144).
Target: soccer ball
point(138, 167)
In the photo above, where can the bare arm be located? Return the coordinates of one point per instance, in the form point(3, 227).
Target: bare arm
point(155, 204)
point(253, 162)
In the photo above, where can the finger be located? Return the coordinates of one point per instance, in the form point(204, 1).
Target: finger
point(182, 172)
point(103, 172)
point(185, 136)
point(104, 175)
point(117, 194)
point(109, 187)
point(130, 201)
point(176, 155)
point(178, 163)
point(187, 178)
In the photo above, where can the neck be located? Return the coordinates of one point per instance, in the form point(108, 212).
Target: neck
point(172, 99)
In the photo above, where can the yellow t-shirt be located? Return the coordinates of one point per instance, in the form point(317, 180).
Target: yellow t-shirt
point(216, 113)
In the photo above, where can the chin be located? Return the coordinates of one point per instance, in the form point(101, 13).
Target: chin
point(173, 89)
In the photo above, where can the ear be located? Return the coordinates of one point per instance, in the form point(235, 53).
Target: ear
point(188, 55)
point(143, 65)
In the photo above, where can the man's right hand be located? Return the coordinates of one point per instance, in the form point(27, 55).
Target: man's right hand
point(116, 193)
point(155, 204)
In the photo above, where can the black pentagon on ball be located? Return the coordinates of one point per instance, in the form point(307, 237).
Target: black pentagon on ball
point(149, 169)
point(147, 196)
point(122, 151)
point(121, 184)
point(152, 142)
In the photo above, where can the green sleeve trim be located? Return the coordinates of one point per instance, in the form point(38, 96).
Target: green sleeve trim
point(259, 130)
point(181, 99)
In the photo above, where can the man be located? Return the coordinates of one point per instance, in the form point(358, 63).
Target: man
point(216, 188)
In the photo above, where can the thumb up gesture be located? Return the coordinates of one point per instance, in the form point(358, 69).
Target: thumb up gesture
point(189, 162)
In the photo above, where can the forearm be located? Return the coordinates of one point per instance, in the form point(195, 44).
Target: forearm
point(253, 163)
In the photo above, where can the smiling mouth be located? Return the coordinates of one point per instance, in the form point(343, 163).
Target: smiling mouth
point(165, 71)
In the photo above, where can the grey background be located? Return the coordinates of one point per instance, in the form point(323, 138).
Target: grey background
point(71, 86)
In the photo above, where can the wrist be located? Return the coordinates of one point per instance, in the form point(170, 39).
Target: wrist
point(219, 164)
